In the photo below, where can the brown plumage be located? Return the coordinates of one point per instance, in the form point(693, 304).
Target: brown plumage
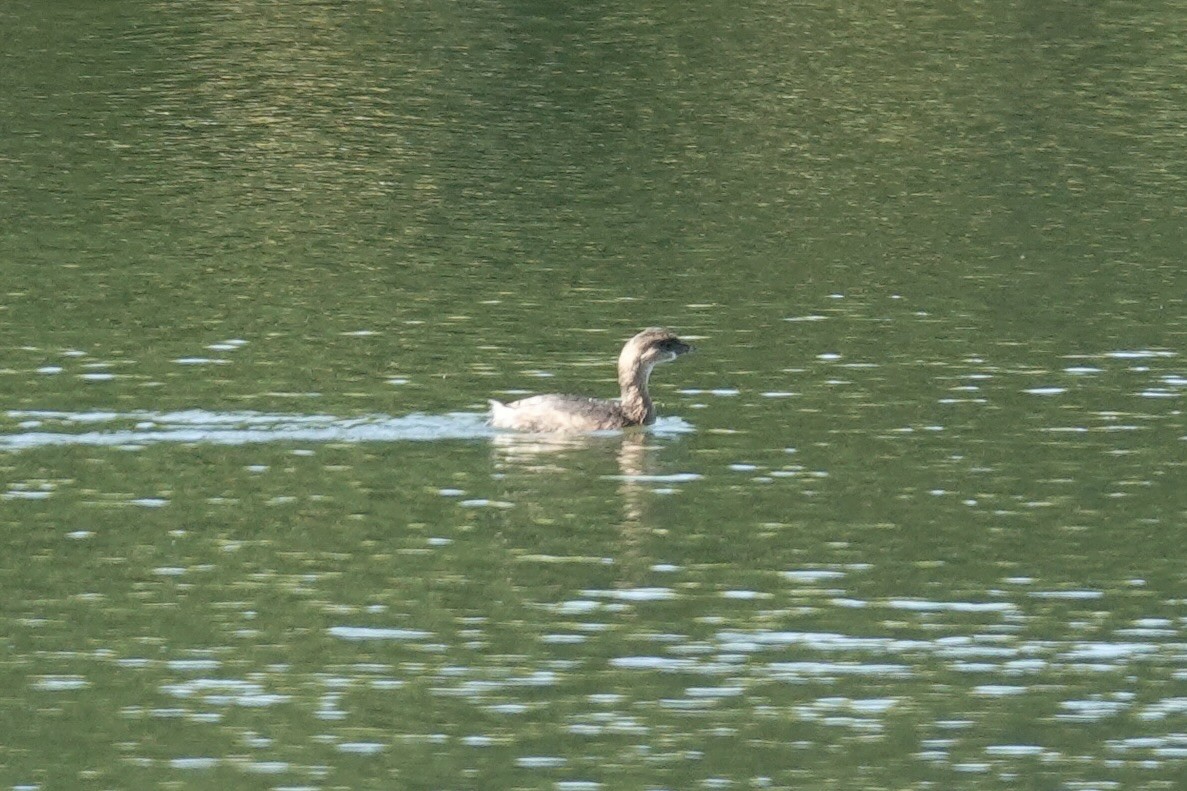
point(570, 413)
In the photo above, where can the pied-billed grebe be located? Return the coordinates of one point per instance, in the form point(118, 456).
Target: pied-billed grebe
point(578, 413)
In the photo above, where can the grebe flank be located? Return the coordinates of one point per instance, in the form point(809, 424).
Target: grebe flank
point(572, 413)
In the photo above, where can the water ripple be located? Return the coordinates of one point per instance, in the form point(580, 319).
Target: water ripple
point(139, 428)
point(122, 429)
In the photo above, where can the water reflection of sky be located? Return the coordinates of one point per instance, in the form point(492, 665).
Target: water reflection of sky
point(977, 657)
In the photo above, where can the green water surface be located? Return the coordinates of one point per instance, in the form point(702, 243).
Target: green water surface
point(913, 517)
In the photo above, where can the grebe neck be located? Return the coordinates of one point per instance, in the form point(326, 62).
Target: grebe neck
point(636, 402)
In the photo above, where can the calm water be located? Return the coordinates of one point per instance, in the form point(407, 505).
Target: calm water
point(913, 517)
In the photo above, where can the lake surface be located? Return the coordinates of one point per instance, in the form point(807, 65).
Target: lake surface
point(913, 515)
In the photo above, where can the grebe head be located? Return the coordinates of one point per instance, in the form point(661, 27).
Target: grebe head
point(652, 347)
